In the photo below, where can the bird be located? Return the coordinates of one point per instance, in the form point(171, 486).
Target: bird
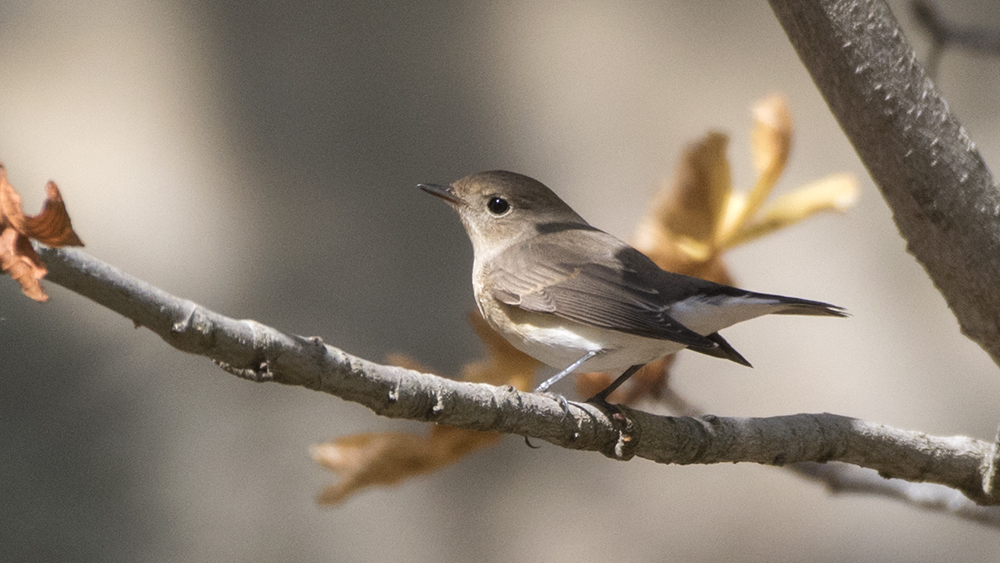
point(579, 299)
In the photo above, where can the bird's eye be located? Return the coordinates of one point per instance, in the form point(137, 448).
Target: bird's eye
point(497, 205)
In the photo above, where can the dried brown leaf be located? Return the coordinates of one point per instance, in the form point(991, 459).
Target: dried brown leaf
point(366, 460)
point(11, 213)
point(51, 226)
point(678, 233)
point(694, 204)
point(18, 259)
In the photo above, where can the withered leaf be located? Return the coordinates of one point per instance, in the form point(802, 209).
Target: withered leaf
point(695, 204)
point(11, 214)
point(771, 140)
point(678, 232)
point(18, 259)
point(695, 218)
point(366, 460)
point(52, 227)
point(836, 192)
point(772, 135)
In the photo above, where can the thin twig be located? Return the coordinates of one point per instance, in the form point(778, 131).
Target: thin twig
point(945, 33)
point(840, 478)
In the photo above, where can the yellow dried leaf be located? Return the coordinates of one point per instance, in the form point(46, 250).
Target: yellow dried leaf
point(836, 192)
point(772, 135)
point(772, 142)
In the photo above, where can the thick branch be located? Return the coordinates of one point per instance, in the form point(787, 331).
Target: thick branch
point(942, 196)
point(257, 352)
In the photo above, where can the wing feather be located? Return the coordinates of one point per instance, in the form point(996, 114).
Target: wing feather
point(612, 290)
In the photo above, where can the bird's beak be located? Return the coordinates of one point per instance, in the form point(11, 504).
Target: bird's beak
point(446, 193)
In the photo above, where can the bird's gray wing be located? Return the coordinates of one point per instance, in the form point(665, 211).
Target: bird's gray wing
point(610, 288)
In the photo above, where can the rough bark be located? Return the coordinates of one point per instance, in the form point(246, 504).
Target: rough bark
point(943, 198)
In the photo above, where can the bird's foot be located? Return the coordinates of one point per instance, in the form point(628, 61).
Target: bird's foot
point(628, 431)
point(563, 404)
point(613, 411)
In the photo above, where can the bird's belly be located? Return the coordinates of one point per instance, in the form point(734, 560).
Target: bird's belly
point(559, 342)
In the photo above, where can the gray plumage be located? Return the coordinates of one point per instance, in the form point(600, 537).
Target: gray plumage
point(570, 294)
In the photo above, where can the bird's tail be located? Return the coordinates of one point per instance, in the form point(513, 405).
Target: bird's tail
point(750, 305)
point(796, 306)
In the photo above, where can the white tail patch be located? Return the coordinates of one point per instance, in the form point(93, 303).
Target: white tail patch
point(706, 315)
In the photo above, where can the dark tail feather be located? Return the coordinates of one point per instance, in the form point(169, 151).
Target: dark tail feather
point(723, 350)
point(796, 306)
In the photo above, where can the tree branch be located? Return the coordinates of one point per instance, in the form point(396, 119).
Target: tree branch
point(943, 198)
point(840, 478)
point(260, 353)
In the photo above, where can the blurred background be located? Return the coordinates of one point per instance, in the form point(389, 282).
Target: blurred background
point(260, 158)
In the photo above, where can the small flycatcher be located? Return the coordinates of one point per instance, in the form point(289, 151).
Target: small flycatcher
point(579, 299)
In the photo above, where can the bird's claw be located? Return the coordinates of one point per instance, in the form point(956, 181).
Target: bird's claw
point(614, 411)
point(563, 404)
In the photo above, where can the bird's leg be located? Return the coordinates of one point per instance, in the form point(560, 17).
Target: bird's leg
point(555, 378)
point(552, 380)
point(601, 399)
point(618, 418)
